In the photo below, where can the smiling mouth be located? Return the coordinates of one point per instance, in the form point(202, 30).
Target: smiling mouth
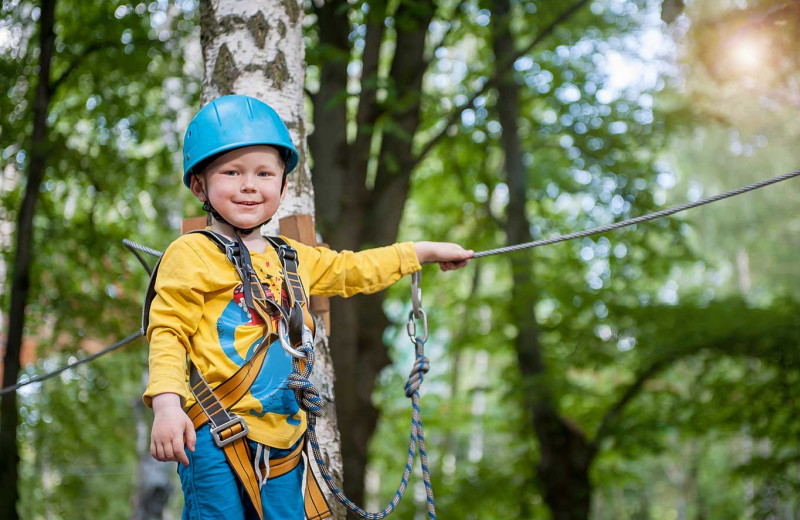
point(248, 203)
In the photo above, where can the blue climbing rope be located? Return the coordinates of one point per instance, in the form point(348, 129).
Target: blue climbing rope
point(309, 399)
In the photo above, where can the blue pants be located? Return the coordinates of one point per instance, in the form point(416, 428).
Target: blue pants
point(211, 490)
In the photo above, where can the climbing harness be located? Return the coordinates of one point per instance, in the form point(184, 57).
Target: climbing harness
point(229, 430)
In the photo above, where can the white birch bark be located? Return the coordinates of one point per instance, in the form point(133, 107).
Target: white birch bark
point(256, 48)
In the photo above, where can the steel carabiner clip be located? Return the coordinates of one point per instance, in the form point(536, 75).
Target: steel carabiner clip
point(283, 335)
point(417, 311)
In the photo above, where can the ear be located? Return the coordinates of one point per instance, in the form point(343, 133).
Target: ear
point(283, 191)
point(196, 184)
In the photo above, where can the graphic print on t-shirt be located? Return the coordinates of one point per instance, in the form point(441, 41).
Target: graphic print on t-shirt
point(270, 386)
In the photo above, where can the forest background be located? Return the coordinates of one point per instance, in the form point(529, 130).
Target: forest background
point(650, 373)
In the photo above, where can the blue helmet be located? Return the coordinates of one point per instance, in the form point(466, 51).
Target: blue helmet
point(231, 122)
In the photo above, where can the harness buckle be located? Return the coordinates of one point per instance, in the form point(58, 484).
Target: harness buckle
point(287, 252)
point(230, 251)
point(216, 432)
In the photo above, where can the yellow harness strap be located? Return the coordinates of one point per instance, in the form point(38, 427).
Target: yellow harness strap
point(238, 452)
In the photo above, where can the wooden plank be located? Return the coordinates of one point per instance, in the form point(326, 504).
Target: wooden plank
point(193, 223)
point(300, 228)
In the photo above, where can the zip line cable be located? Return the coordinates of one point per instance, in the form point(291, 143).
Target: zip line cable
point(644, 218)
point(54, 373)
point(134, 247)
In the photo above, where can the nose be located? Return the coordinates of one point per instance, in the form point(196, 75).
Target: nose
point(248, 183)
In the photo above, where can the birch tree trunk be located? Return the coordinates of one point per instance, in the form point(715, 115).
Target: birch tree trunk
point(256, 48)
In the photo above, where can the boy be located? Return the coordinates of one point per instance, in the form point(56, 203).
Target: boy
point(237, 154)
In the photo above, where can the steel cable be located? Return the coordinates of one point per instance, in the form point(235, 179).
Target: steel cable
point(115, 346)
point(637, 220)
point(134, 247)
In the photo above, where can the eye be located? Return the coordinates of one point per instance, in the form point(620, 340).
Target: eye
point(230, 173)
point(265, 174)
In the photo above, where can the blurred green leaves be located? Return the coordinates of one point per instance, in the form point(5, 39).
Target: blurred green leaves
point(121, 88)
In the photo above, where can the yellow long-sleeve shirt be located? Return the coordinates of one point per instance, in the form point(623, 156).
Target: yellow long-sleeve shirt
point(199, 312)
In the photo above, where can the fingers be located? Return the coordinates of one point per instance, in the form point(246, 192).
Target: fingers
point(178, 453)
point(463, 260)
point(171, 428)
point(169, 448)
point(191, 436)
point(452, 266)
point(169, 451)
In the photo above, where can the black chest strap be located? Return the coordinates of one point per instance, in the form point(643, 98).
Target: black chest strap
point(295, 311)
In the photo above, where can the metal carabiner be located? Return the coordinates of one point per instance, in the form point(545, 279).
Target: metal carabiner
point(283, 335)
point(416, 294)
point(411, 326)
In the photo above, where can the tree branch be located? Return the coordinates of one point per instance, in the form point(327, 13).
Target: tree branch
point(724, 346)
point(501, 69)
point(612, 416)
point(55, 84)
point(75, 64)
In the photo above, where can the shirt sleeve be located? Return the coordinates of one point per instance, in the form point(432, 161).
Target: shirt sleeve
point(330, 273)
point(175, 314)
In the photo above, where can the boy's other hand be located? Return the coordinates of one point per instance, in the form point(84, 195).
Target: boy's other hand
point(171, 428)
point(449, 256)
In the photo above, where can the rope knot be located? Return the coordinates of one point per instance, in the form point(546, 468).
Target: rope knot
point(306, 394)
point(308, 350)
point(417, 375)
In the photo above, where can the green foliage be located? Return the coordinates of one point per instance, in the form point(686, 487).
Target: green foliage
point(710, 432)
point(637, 303)
point(78, 436)
point(119, 96)
point(742, 77)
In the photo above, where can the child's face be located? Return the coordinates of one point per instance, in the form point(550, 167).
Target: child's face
point(243, 185)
